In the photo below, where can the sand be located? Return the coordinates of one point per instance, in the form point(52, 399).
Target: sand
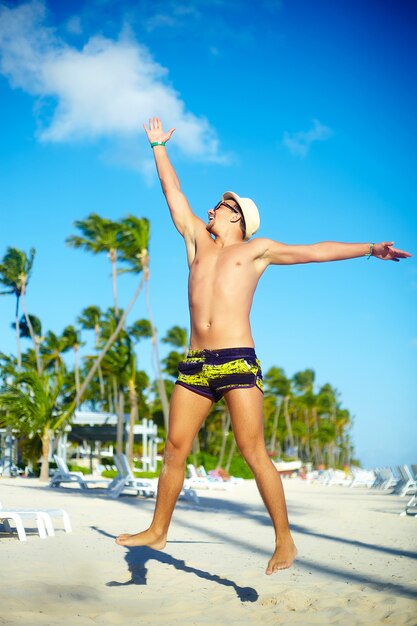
point(357, 561)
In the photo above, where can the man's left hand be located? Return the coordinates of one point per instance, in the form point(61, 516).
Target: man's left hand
point(386, 252)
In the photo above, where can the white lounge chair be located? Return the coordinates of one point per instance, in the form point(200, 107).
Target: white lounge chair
point(50, 514)
point(195, 481)
point(43, 522)
point(385, 478)
point(211, 475)
point(126, 480)
point(63, 475)
point(362, 477)
point(407, 483)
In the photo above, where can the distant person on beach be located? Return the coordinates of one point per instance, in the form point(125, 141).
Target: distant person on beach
point(225, 267)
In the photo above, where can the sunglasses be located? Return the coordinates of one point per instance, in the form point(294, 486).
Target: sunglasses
point(229, 206)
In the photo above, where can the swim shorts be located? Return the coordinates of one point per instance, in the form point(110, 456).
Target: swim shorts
point(212, 372)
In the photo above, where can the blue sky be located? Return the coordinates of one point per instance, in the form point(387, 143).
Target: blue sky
point(308, 108)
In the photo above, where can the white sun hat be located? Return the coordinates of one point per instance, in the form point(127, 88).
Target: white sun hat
point(249, 210)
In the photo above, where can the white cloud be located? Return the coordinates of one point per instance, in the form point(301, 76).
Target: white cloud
point(106, 90)
point(299, 143)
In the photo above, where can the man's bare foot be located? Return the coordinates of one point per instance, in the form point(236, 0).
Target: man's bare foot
point(283, 557)
point(146, 538)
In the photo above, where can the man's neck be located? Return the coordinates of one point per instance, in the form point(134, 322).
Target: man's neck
point(227, 240)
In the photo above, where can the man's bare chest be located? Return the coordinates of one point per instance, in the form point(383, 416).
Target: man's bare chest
point(226, 266)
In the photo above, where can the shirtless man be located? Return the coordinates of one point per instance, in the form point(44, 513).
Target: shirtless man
point(224, 271)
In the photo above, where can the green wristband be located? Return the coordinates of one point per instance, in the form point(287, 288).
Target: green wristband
point(371, 247)
point(157, 143)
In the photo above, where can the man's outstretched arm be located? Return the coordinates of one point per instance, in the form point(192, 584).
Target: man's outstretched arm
point(276, 253)
point(181, 213)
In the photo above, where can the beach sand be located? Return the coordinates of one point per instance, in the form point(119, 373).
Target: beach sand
point(357, 560)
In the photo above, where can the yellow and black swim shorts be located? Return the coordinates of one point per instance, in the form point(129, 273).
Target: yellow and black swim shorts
point(212, 372)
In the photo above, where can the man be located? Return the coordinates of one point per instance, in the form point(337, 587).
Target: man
point(224, 271)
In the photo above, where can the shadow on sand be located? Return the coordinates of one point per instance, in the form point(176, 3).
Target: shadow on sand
point(137, 557)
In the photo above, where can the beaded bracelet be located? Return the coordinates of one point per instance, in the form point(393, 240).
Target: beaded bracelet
point(371, 247)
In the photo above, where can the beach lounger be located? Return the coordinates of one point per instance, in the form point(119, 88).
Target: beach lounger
point(385, 478)
point(126, 480)
point(411, 506)
point(63, 475)
point(195, 481)
point(43, 522)
point(217, 475)
point(361, 477)
point(407, 483)
point(49, 515)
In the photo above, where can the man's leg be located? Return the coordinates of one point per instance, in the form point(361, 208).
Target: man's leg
point(246, 412)
point(188, 411)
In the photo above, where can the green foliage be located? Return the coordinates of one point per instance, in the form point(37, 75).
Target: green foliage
point(113, 474)
point(176, 336)
point(79, 468)
point(98, 234)
point(238, 466)
point(171, 362)
point(133, 242)
point(33, 403)
point(24, 328)
point(15, 270)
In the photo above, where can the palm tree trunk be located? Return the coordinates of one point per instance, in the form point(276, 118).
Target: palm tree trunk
point(274, 427)
point(225, 434)
point(113, 259)
point(32, 334)
point(109, 343)
point(46, 442)
point(288, 421)
point(230, 455)
point(307, 423)
point(115, 394)
point(76, 370)
point(100, 373)
point(157, 361)
point(19, 353)
point(120, 421)
point(133, 399)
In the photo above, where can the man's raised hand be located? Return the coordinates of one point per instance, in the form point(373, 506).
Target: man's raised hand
point(386, 252)
point(155, 132)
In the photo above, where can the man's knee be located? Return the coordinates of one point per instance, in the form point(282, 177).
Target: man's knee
point(253, 455)
point(176, 452)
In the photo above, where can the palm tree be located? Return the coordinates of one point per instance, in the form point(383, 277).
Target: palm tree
point(31, 328)
point(327, 405)
point(72, 340)
point(280, 386)
point(115, 367)
point(177, 336)
point(51, 349)
point(15, 272)
point(37, 406)
point(8, 366)
point(134, 239)
point(139, 262)
point(89, 319)
point(140, 329)
point(303, 382)
point(99, 235)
